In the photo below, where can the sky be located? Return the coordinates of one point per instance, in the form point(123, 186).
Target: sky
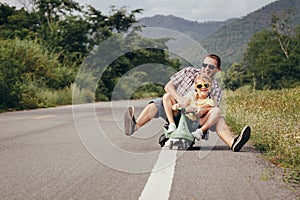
point(194, 10)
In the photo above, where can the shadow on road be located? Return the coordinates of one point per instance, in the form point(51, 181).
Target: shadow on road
point(221, 148)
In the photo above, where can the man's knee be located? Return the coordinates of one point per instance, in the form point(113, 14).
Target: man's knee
point(215, 111)
point(220, 121)
point(167, 96)
point(221, 125)
point(151, 109)
point(152, 106)
point(155, 108)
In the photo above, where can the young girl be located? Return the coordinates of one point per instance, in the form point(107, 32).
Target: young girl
point(195, 101)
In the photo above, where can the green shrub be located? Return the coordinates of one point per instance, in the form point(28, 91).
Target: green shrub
point(26, 69)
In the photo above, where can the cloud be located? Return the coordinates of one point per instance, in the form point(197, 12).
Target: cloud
point(195, 10)
point(203, 10)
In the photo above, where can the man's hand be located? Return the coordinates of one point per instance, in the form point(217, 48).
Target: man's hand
point(198, 112)
point(194, 110)
point(183, 101)
point(175, 106)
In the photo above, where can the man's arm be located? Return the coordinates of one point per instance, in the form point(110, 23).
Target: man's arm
point(169, 88)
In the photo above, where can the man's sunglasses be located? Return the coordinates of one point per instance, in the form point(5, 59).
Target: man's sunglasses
point(202, 85)
point(212, 67)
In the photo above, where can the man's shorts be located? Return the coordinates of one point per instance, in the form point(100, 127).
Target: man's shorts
point(160, 108)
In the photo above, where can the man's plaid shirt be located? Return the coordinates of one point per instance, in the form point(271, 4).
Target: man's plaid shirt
point(184, 80)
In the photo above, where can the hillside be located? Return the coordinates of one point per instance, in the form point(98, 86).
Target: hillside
point(231, 40)
point(194, 29)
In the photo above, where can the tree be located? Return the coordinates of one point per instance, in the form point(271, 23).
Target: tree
point(16, 23)
point(284, 33)
point(235, 76)
point(26, 67)
point(63, 26)
point(68, 33)
point(60, 29)
point(120, 20)
point(131, 59)
point(272, 57)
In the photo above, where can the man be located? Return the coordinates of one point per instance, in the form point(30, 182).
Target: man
point(179, 84)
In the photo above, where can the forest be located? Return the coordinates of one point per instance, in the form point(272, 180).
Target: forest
point(44, 44)
point(272, 59)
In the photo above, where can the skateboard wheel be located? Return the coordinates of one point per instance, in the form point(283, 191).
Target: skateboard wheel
point(171, 145)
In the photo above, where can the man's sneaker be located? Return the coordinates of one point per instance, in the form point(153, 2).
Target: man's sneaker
point(129, 121)
point(171, 129)
point(198, 134)
point(241, 140)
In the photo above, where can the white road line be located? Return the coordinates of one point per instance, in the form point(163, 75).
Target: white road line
point(44, 116)
point(159, 182)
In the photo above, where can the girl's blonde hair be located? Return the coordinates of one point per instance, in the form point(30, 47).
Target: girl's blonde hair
point(203, 77)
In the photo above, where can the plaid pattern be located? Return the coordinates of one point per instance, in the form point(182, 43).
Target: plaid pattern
point(184, 80)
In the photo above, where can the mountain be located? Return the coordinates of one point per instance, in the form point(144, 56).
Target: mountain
point(230, 41)
point(194, 29)
point(229, 38)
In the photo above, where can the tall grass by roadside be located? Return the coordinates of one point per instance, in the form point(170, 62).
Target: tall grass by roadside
point(51, 98)
point(42, 97)
point(64, 96)
point(275, 119)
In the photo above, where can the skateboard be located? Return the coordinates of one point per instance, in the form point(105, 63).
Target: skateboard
point(181, 137)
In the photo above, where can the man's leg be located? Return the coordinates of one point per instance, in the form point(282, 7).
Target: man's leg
point(146, 115)
point(223, 132)
point(153, 110)
point(236, 143)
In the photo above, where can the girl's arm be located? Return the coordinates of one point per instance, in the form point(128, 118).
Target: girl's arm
point(203, 109)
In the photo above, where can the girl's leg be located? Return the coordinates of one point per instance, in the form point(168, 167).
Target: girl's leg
point(210, 118)
point(168, 101)
point(206, 122)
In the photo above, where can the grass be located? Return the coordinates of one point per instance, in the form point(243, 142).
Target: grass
point(64, 96)
point(275, 119)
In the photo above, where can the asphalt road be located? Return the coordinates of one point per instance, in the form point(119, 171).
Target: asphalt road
point(80, 152)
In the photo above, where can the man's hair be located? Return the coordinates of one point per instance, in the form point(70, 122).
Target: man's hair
point(216, 57)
